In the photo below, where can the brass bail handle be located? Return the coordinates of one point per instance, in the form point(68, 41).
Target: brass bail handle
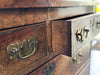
point(81, 34)
point(25, 51)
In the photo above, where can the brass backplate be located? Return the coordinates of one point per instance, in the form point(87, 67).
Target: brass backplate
point(25, 51)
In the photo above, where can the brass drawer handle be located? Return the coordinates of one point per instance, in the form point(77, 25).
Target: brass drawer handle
point(26, 50)
point(77, 59)
point(81, 34)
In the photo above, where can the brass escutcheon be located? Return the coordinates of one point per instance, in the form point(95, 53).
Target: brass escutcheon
point(25, 51)
point(78, 58)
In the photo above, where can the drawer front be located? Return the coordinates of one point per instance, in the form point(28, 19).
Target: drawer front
point(21, 47)
point(96, 24)
point(20, 17)
point(85, 70)
point(58, 13)
point(81, 32)
point(68, 36)
point(63, 65)
point(80, 59)
point(57, 66)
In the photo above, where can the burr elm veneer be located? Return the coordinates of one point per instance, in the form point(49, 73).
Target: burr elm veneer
point(46, 37)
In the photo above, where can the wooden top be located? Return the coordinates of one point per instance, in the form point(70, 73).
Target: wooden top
point(44, 3)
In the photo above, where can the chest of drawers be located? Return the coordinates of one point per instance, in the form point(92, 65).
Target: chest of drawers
point(46, 37)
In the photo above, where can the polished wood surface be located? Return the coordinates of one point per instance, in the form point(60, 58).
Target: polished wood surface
point(64, 34)
point(10, 18)
point(49, 35)
point(77, 24)
point(34, 66)
point(20, 17)
point(9, 67)
point(64, 3)
point(43, 3)
point(85, 70)
point(63, 64)
point(73, 67)
point(46, 19)
point(60, 13)
point(60, 37)
point(23, 3)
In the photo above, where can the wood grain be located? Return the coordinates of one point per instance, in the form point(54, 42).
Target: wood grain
point(61, 66)
point(64, 64)
point(32, 67)
point(43, 3)
point(59, 13)
point(64, 38)
point(19, 17)
point(61, 42)
point(49, 35)
point(76, 24)
point(10, 67)
point(72, 67)
point(85, 70)
point(64, 3)
point(23, 3)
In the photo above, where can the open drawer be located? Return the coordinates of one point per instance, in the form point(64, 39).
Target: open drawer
point(68, 36)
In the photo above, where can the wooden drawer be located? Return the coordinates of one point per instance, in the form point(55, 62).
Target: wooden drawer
point(63, 65)
point(21, 47)
point(58, 13)
point(20, 17)
point(85, 70)
point(77, 61)
point(96, 24)
point(57, 66)
point(68, 36)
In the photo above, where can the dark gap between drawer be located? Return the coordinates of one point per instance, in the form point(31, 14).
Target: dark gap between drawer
point(21, 26)
point(74, 16)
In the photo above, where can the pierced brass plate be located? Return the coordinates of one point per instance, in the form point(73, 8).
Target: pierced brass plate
point(25, 51)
